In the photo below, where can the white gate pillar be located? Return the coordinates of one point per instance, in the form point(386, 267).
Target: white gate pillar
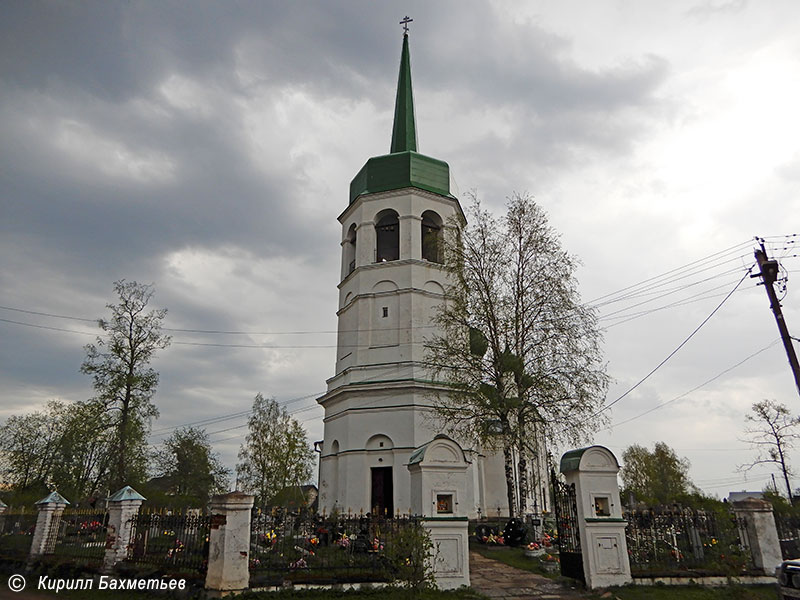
point(594, 470)
point(762, 534)
point(122, 506)
point(44, 536)
point(229, 543)
point(438, 472)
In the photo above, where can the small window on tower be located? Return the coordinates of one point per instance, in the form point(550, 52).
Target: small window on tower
point(385, 311)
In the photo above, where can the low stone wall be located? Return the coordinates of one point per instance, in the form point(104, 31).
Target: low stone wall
point(712, 581)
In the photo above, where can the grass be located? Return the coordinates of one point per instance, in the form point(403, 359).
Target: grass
point(694, 592)
point(514, 557)
point(376, 594)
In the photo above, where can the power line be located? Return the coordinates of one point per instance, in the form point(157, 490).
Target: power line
point(674, 352)
point(227, 417)
point(694, 389)
point(648, 290)
point(676, 269)
point(594, 302)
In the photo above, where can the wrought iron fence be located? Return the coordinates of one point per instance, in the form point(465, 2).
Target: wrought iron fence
point(569, 539)
point(81, 535)
point(16, 532)
point(329, 549)
point(686, 540)
point(789, 535)
point(176, 542)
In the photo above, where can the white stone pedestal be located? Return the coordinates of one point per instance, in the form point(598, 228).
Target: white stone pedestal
point(761, 533)
point(450, 556)
point(438, 489)
point(122, 507)
point(50, 510)
point(594, 471)
point(229, 544)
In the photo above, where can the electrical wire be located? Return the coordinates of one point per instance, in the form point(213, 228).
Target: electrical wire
point(674, 352)
point(694, 389)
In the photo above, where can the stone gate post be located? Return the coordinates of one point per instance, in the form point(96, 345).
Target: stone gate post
point(762, 534)
point(594, 470)
point(438, 472)
point(50, 510)
point(229, 543)
point(122, 506)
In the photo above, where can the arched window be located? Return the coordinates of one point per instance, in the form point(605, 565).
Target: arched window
point(387, 234)
point(350, 251)
point(431, 237)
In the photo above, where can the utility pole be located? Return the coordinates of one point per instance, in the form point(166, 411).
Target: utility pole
point(769, 275)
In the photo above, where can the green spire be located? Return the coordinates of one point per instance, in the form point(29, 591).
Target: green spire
point(404, 132)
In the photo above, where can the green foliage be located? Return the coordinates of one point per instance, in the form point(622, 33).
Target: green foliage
point(276, 452)
point(123, 380)
point(478, 344)
point(189, 469)
point(516, 347)
point(409, 552)
point(65, 446)
point(656, 477)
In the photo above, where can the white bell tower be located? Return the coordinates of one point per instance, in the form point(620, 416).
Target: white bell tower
point(377, 407)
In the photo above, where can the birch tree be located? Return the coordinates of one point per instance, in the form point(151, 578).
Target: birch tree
point(119, 363)
point(773, 433)
point(519, 354)
point(276, 453)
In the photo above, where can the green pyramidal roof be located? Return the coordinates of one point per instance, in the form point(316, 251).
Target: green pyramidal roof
point(404, 166)
point(404, 132)
point(53, 498)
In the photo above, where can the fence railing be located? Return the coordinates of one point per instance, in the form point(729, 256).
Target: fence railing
point(81, 535)
point(327, 549)
point(788, 528)
point(681, 540)
point(175, 541)
point(16, 532)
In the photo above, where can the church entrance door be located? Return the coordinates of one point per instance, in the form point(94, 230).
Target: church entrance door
point(382, 491)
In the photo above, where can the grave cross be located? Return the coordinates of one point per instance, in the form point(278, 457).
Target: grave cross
point(405, 23)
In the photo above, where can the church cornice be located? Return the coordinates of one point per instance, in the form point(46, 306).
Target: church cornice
point(380, 195)
point(405, 290)
point(366, 409)
point(360, 387)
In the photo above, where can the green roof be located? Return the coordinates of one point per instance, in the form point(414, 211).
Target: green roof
point(53, 498)
point(126, 493)
point(404, 166)
point(401, 170)
point(572, 460)
point(418, 455)
point(404, 132)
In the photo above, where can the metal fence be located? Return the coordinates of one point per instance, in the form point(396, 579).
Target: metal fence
point(176, 542)
point(329, 549)
point(81, 535)
point(789, 535)
point(16, 532)
point(678, 541)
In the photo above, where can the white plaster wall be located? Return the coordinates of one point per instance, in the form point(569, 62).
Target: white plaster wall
point(381, 384)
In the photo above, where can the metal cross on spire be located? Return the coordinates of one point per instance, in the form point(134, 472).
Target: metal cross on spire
point(405, 23)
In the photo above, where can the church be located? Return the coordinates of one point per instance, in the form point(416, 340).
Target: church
point(378, 405)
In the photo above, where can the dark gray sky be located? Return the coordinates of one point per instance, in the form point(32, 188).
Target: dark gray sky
point(208, 148)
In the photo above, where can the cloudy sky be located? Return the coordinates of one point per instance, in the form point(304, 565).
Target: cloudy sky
point(207, 148)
